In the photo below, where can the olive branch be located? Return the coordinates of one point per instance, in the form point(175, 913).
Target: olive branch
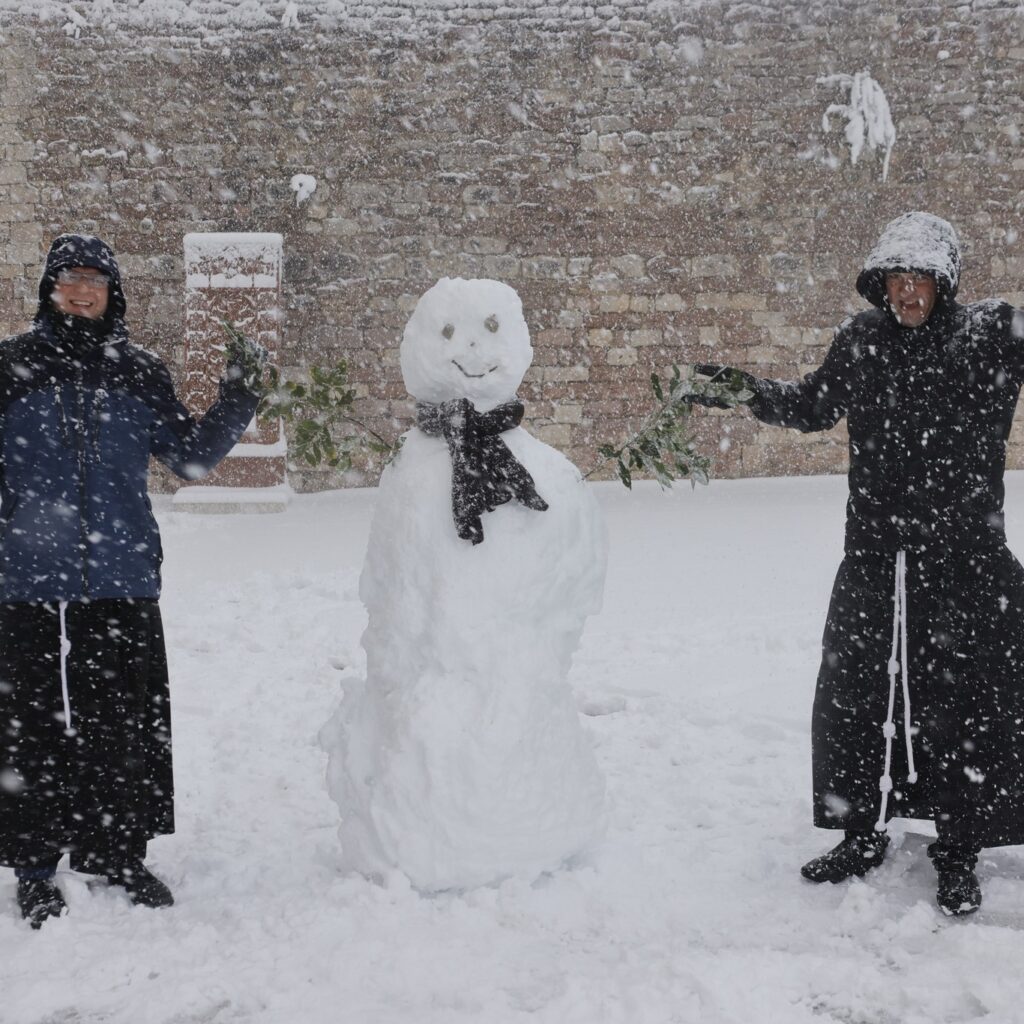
point(320, 412)
point(663, 445)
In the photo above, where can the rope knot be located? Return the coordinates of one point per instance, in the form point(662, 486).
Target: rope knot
point(898, 662)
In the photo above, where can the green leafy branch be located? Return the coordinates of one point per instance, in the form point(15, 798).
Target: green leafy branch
point(320, 412)
point(663, 445)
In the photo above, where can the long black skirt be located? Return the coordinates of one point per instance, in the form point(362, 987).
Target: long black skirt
point(965, 626)
point(85, 761)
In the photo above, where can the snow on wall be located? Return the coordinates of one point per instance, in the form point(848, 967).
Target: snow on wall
point(244, 259)
point(247, 245)
point(657, 193)
point(407, 17)
point(868, 118)
point(303, 185)
point(320, 14)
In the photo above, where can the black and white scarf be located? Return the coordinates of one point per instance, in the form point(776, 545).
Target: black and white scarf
point(485, 474)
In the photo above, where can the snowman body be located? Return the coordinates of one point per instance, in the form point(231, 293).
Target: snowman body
point(461, 759)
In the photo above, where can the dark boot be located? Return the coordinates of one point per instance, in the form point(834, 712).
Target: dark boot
point(39, 899)
point(143, 887)
point(959, 891)
point(856, 854)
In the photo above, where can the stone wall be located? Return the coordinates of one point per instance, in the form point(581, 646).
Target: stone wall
point(655, 181)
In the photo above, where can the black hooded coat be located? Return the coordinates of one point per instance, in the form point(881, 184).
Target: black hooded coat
point(928, 411)
point(85, 747)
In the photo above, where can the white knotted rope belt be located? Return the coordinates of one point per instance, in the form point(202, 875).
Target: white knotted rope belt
point(65, 650)
point(897, 667)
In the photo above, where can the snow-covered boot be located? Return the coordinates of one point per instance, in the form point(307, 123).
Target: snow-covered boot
point(856, 854)
point(959, 891)
point(39, 898)
point(143, 887)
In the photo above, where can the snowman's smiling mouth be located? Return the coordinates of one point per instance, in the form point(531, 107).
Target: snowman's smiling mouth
point(472, 376)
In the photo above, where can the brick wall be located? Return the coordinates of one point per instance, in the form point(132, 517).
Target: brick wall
point(655, 182)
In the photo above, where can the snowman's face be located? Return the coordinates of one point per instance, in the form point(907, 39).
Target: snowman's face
point(466, 339)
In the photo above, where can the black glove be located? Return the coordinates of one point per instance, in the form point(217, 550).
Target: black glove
point(732, 379)
point(246, 360)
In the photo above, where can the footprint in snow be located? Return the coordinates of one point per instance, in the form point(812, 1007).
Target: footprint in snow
point(596, 707)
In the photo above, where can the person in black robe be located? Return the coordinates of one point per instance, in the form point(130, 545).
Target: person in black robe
point(85, 726)
point(919, 707)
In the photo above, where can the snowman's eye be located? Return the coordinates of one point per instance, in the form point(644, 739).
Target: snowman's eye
point(448, 330)
point(491, 323)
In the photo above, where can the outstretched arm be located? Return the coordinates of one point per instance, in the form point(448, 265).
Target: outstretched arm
point(192, 447)
point(1016, 340)
point(817, 402)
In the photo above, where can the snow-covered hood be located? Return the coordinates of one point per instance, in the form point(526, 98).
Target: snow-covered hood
point(918, 242)
point(82, 251)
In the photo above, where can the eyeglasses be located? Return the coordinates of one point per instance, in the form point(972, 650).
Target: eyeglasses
point(908, 280)
point(73, 277)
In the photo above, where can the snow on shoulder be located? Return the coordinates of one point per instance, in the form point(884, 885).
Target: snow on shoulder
point(461, 759)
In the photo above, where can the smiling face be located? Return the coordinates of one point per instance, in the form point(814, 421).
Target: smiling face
point(911, 297)
point(81, 291)
point(466, 339)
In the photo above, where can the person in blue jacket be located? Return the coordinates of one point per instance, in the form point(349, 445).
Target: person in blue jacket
point(85, 728)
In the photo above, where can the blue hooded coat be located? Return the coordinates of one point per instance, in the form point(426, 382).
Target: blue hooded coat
point(85, 746)
point(82, 409)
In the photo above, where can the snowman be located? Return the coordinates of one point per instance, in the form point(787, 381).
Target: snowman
point(460, 760)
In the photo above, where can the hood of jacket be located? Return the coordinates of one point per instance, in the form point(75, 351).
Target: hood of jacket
point(82, 251)
point(918, 243)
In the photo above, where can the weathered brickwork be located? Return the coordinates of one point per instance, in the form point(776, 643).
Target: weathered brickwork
point(658, 190)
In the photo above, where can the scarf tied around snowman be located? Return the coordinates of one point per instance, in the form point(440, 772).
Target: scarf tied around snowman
point(485, 474)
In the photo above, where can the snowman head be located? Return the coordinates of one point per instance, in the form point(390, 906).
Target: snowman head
point(466, 339)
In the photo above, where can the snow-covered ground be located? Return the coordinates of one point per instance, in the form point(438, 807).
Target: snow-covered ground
point(696, 681)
